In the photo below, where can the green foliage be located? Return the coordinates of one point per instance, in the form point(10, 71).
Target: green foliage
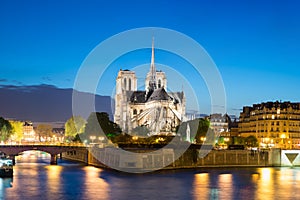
point(198, 128)
point(151, 142)
point(122, 138)
point(17, 130)
point(99, 124)
point(210, 137)
point(239, 140)
point(75, 125)
point(251, 141)
point(77, 138)
point(5, 129)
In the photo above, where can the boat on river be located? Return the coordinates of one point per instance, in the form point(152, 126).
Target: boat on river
point(6, 167)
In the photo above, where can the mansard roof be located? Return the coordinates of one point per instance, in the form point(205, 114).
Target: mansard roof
point(277, 104)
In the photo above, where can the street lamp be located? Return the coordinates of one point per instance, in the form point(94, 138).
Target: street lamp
point(101, 138)
point(135, 137)
point(92, 138)
point(226, 139)
point(202, 139)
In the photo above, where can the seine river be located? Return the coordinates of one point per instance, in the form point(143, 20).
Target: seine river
point(35, 179)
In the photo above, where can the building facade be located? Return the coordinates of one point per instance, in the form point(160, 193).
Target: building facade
point(274, 124)
point(224, 128)
point(220, 124)
point(160, 111)
point(28, 132)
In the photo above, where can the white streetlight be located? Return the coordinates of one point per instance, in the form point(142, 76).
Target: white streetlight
point(92, 138)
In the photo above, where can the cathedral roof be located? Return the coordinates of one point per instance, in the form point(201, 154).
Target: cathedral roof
point(138, 97)
point(156, 95)
point(159, 94)
point(176, 96)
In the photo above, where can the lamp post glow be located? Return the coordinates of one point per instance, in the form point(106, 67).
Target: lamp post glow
point(92, 138)
point(202, 139)
point(226, 139)
point(101, 139)
point(135, 137)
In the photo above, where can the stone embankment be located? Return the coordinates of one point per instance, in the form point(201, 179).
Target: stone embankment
point(149, 159)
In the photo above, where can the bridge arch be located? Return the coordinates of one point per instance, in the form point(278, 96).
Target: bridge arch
point(53, 150)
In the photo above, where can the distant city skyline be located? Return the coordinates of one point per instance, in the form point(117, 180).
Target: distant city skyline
point(255, 44)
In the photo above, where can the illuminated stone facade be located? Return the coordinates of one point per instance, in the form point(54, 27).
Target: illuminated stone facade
point(274, 124)
point(160, 111)
point(28, 132)
point(220, 124)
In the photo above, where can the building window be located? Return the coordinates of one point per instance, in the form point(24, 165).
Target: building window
point(134, 112)
point(129, 83)
point(125, 83)
point(141, 110)
point(159, 83)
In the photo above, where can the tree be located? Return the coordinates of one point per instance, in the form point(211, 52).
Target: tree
point(239, 140)
point(99, 124)
point(5, 129)
point(198, 128)
point(44, 130)
point(210, 137)
point(75, 125)
point(251, 141)
point(17, 130)
point(204, 131)
point(120, 138)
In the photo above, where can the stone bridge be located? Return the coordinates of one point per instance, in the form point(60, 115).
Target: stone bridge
point(53, 150)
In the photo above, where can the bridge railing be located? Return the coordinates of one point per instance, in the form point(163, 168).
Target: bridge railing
point(43, 144)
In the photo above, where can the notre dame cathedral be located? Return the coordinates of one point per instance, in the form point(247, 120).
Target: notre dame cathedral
point(160, 111)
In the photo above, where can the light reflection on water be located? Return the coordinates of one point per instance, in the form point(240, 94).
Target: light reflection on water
point(69, 180)
point(200, 186)
point(92, 190)
point(265, 184)
point(225, 182)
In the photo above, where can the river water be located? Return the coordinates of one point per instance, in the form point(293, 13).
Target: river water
point(35, 179)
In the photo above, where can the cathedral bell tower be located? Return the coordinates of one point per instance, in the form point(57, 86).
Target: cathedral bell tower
point(126, 83)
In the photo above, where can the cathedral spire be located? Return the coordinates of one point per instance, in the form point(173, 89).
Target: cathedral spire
point(152, 82)
point(152, 55)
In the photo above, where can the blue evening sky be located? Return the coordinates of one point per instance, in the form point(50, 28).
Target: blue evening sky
point(255, 44)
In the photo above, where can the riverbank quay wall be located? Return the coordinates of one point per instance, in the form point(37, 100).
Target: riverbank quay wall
point(80, 155)
point(191, 158)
